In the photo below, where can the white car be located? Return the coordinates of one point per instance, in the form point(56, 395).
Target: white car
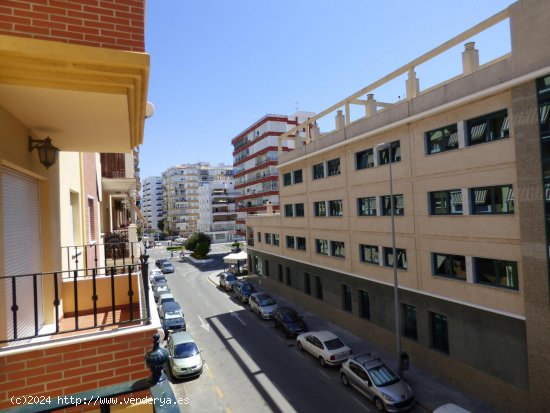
point(263, 305)
point(153, 272)
point(325, 346)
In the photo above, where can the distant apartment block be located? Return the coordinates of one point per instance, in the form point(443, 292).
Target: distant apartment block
point(151, 202)
point(470, 171)
point(181, 194)
point(217, 215)
point(255, 163)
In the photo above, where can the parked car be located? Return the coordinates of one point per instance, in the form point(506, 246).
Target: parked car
point(159, 262)
point(325, 346)
point(159, 289)
point(172, 318)
point(164, 298)
point(153, 272)
point(227, 280)
point(242, 291)
point(158, 279)
point(167, 267)
point(376, 381)
point(288, 320)
point(184, 357)
point(262, 304)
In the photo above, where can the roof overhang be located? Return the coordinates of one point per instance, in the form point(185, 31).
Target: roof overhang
point(118, 185)
point(86, 99)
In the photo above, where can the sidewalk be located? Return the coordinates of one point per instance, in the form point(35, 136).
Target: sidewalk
point(429, 391)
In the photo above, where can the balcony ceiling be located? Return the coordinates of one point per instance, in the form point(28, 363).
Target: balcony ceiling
point(118, 185)
point(86, 99)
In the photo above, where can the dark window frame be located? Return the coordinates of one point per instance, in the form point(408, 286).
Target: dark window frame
point(383, 154)
point(362, 159)
point(318, 171)
point(289, 210)
point(346, 298)
point(448, 199)
point(318, 245)
point(401, 253)
point(317, 210)
point(488, 131)
point(386, 205)
point(370, 211)
point(364, 304)
point(451, 261)
point(335, 246)
point(295, 175)
point(439, 329)
point(331, 209)
point(275, 239)
point(287, 179)
point(493, 194)
point(300, 243)
point(499, 273)
point(289, 242)
point(447, 141)
point(372, 248)
point(410, 327)
point(333, 167)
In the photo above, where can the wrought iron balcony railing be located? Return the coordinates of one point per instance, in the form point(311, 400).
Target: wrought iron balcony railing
point(79, 299)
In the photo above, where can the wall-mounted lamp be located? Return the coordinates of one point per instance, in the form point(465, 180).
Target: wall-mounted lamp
point(47, 153)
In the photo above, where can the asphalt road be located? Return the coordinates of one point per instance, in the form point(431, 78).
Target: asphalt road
point(249, 366)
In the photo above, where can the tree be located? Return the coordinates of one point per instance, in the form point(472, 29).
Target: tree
point(196, 238)
point(161, 224)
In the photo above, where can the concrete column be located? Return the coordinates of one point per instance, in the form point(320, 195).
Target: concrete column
point(465, 201)
point(413, 85)
point(469, 270)
point(470, 58)
point(461, 130)
point(315, 132)
point(370, 107)
point(340, 120)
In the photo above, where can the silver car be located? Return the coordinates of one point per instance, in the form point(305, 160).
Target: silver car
point(184, 357)
point(371, 377)
point(263, 305)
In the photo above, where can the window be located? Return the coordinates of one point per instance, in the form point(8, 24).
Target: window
point(440, 337)
point(301, 243)
point(267, 238)
point(364, 159)
point(321, 246)
point(266, 268)
point(443, 139)
point(298, 178)
point(364, 304)
point(258, 265)
point(287, 179)
point(446, 202)
point(369, 253)
point(288, 278)
point(346, 298)
point(333, 167)
point(335, 208)
point(318, 287)
point(366, 206)
point(497, 273)
point(409, 321)
point(398, 207)
point(290, 241)
point(447, 265)
point(276, 239)
point(401, 258)
point(299, 210)
point(488, 128)
point(337, 249)
point(318, 171)
point(307, 283)
point(493, 200)
point(288, 210)
point(259, 237)
point(395, 153)
point(320, 209)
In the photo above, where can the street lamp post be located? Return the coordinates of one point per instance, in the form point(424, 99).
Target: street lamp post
point(387, 146)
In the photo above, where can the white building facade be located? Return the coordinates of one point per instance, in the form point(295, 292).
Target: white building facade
point(151, 203)
point(181, 193)
point(217, 215)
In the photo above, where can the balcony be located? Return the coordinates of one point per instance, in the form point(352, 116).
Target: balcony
point(83, 298)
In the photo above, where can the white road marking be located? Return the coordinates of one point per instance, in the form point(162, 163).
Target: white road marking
point(204, 324)
point(324, 374)
point(234, 314)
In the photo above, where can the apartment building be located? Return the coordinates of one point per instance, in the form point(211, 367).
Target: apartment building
point(255, 163)
point(467, 162)
point(151, 202)
point(181, 194)
point(73, 85)
point(217, 215)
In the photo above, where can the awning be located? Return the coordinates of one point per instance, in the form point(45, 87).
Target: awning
point(235, 257)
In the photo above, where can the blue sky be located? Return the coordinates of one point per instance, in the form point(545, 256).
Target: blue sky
point(218, 66)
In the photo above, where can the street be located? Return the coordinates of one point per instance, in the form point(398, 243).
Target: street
point(249, 366)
